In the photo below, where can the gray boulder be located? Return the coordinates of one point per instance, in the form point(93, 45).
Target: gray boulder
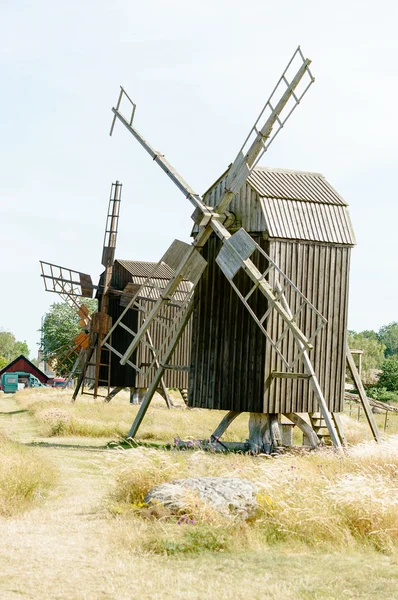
point(229, 496)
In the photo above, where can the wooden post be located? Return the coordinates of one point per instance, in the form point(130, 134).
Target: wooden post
point(113, 393)
point(264, 432)
point(362, 395)
point(259, 433)
point(224, 424)
point(305, 428)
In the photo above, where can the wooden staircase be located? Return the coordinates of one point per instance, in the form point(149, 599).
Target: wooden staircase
point(318, 424)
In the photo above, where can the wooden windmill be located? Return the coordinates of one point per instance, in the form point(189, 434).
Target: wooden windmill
point(99, 370)
point(70, 285)
point(264, 309)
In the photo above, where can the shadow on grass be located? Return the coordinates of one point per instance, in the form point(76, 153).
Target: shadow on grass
point(13, 412)
point(66, 446)
point(130, 443)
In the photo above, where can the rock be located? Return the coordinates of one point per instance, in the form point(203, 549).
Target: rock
point(229, 496)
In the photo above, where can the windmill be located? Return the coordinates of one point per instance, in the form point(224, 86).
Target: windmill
point(97, 367)
point(267, 294)
point(70, 285)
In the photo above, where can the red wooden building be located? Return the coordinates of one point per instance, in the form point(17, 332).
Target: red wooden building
point(21, 363)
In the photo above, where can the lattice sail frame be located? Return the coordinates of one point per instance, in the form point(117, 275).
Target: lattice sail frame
point(272, 117)
point(239, 248)
point(173, 311)
point(61, 280)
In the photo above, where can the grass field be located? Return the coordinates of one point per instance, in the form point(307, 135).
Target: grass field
point(25, 477)
point(57, 416)
point(327, 527)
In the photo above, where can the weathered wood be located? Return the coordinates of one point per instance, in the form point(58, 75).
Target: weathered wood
point(159, 373)
point(289, 375)
point(224, 424)
point(113, 393)
point(305, 428)
point(340, 428)
point(217, 446)
point(362, 394)
point(314, 383)
point(260, 440)
point(163, 389)
point(276, 434)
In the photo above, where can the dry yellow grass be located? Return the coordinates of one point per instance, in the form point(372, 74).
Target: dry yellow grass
point(315, 500)
point(58, 416)
point(71, 547)
point(25, 477)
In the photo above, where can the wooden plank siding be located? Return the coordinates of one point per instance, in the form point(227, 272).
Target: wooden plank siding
point(300, 220)
point(231, 359)
point(320, 272)
point(228, 348)
point(245, 206)
point(126, 376)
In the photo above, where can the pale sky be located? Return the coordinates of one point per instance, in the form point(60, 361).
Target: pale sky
point(199, 72)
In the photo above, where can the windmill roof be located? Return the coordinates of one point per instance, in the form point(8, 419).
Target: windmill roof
point(294, 205)
point(302, 186)
point(139, 268)
point(140, 271)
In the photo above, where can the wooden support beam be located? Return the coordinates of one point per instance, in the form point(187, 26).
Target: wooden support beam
point(260, 440)
point(340, 428)
point(305, 428)
point(224, 424)
point(112, 394)
point(362, 395)
point(159, 374)
point(288, 375)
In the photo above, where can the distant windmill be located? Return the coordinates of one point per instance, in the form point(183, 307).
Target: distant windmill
point(98, 369)
point(69, 285)
point(240, 363)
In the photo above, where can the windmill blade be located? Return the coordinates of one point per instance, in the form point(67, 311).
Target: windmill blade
point(59, 358)
point(276, 111)
point(101, 321)
point(111, 227)
point(284, 99)
point(84, 315)
point(62, 280)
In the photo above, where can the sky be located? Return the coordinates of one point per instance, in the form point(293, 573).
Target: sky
point(199, 73)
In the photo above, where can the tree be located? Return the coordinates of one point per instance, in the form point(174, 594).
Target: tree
point(388, 335)
point(60, 327)
point(373, 353)
point(10, 348)
point(370, 334)
point(389, 375)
